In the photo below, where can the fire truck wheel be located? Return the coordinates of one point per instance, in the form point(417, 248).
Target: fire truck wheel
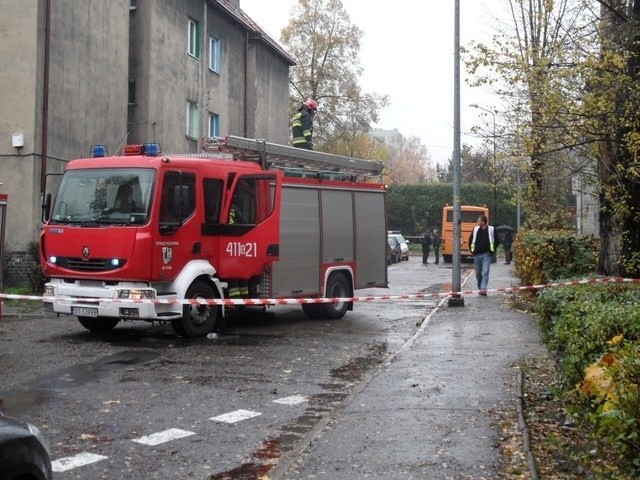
point(98, 324)
point(337, 286)
point(197, 320)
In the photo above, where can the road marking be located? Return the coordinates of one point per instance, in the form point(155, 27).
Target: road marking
point(293, 400)
point(237, 416)
point(162, 437)
point(69, 463)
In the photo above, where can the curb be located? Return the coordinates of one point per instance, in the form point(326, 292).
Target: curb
point(524, 429)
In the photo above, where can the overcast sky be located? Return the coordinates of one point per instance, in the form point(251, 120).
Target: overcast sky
point(407, 54)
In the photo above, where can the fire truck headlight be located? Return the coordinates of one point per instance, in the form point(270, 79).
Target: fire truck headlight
point(136, 294)
point(115, 262)
point(49, 290)
point(53, 259)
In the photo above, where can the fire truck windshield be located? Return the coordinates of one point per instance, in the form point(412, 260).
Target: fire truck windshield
point(104, 196)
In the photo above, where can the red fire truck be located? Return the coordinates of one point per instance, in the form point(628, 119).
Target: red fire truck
point(130, 237)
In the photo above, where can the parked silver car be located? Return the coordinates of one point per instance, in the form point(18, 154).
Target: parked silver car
point(403, 243)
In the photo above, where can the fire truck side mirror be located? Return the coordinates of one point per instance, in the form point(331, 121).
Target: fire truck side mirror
point(46, 208)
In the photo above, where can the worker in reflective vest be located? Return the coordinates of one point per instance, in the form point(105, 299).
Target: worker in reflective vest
point(302, 124)
point(482, 244)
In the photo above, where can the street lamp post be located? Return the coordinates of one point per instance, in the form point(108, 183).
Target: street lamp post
point(495, 173)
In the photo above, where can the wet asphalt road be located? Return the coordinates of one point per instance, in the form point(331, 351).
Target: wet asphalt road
point(140, 402)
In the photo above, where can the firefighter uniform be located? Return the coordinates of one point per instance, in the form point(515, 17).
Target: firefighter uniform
point(302, 125)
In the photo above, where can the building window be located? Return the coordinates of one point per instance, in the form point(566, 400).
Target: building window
point(193, 47)
point(214, 125)
point(215, 54)
point(133, 4)
point(193, 124)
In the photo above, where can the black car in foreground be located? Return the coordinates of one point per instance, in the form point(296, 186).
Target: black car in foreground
point(24, 452)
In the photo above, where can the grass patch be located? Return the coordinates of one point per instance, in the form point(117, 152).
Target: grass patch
point(13, 302)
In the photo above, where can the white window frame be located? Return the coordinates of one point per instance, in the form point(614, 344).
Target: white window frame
point(193, 120)
point(214, 125)
point(193, 38)
point(215, 54)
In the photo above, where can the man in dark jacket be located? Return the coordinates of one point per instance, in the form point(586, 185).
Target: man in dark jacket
point(302, 125)
point(436, 241)
point(426, 246)
point(482, 243)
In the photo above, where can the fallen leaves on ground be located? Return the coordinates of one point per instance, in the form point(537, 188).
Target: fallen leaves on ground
point(563, 446)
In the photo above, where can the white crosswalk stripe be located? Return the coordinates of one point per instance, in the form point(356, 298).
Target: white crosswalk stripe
point(237, 416)
point(162, 437)
point(292, 400)
point(80, 460)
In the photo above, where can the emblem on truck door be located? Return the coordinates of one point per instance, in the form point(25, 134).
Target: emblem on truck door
point(167, 254)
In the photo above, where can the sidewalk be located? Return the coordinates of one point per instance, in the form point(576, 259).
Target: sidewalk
point(430, 412)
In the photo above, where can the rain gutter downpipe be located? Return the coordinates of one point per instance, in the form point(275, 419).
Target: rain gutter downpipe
point(45, 97)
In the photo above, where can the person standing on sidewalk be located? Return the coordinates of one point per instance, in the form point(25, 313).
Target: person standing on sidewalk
point(436, 241)
point(507, 242)
point(426, 246)
point(482, 245)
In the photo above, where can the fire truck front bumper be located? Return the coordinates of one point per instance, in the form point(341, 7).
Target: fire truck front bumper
point(128, 301)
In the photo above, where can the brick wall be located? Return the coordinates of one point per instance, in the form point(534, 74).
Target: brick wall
point(22, 269)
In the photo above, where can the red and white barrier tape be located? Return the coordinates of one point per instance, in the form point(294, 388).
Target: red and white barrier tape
point(297, 301)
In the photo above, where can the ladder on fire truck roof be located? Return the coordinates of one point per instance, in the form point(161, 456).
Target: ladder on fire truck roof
point(272, 155)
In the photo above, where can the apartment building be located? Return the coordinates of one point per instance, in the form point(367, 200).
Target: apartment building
point(78, 73)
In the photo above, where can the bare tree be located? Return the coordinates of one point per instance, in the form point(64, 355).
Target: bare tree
point(325, 45)
point(409, 162)
point(536, 62)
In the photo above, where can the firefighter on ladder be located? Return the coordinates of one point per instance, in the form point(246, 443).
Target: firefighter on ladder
point(302, 124)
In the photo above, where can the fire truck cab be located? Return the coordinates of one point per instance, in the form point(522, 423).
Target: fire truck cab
point(130, 237)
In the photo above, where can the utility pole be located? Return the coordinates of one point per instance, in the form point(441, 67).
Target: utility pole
point(456, 300)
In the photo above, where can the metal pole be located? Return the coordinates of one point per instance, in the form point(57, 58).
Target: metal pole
point(494, 257)
point(456, 300)
point(495, 175)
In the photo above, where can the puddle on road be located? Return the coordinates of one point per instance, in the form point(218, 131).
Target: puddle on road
point(248, 471)
point(45, 389)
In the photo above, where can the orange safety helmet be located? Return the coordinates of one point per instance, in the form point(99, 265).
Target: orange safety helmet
point(311, 104)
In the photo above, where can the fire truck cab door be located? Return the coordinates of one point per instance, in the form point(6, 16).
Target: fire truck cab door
point(250, 235)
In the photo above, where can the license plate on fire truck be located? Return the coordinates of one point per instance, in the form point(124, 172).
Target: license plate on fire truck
point(84, 311)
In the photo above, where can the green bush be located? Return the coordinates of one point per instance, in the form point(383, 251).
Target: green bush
point(611, 389)
point(576, 322)
point(582, 325)
point(543, 256)
point(412, 208)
